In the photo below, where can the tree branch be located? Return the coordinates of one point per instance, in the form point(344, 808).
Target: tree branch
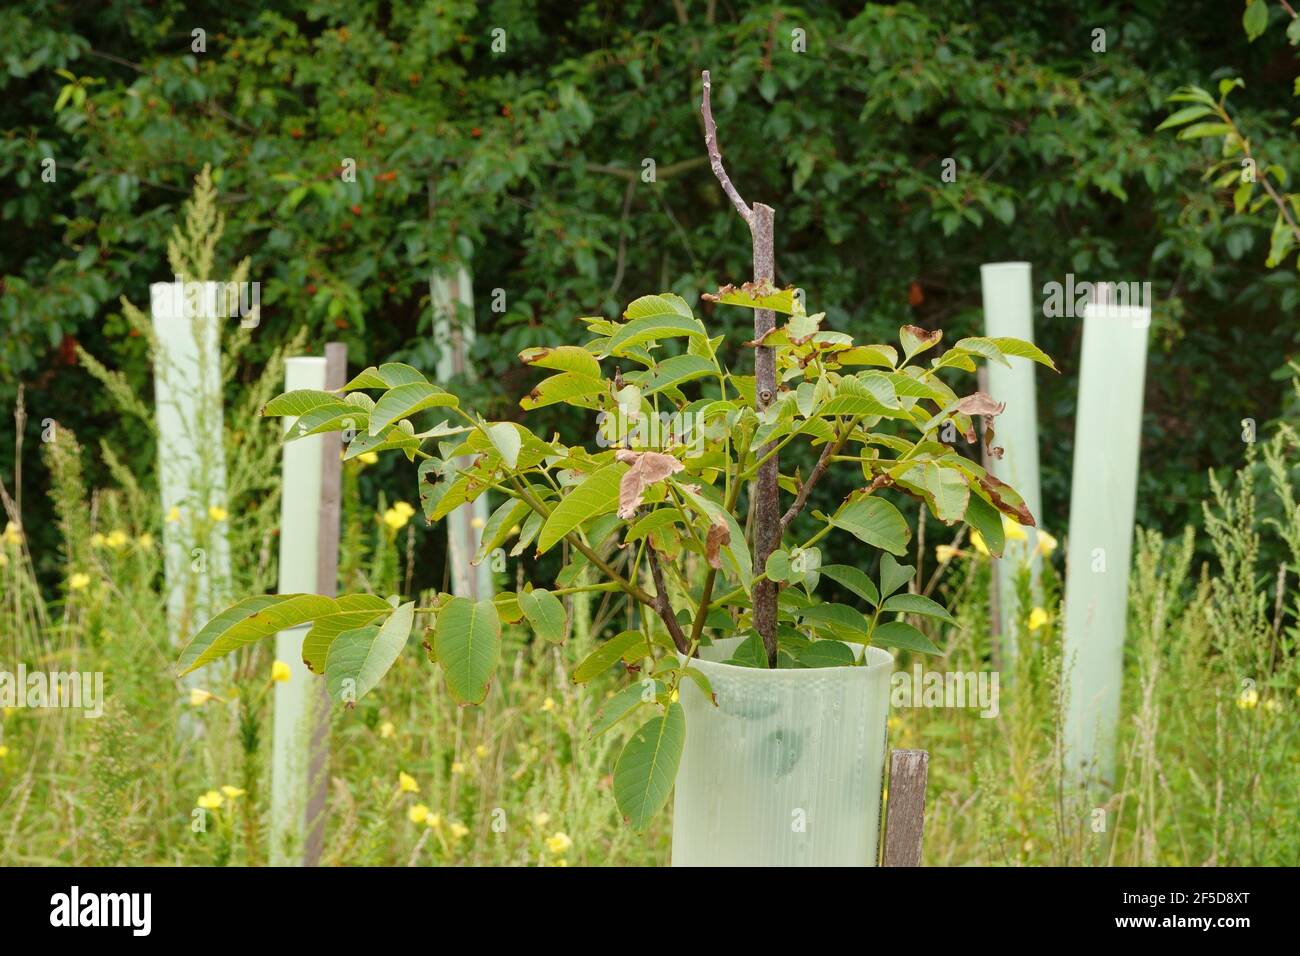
point(715, 154)
point(663, 605)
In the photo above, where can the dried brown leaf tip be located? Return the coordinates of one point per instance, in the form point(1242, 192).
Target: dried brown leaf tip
point(647, 468)
point(719, 535)
point(924, 337)
point(755, 290)
point(1006, 500)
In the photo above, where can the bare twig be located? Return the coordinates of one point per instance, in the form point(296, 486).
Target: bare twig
point(715, 154)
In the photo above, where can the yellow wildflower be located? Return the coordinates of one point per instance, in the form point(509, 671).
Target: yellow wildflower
point(1046, 544)
point(480, 751)
point(280, 671)
point(1248, 699)
point(78, 581)
point(386, 729)
point(217, 513)
point(395, 519)
point(977, 542)
point(199, 697)
point(116, 539)
point(945, 552)
point(541, 818)
point(418, 813)
point(434, 821)
point(1012, 530)
point(548, 706)
point(13, 534)
point(458, 830)
point(233, 792)
point(559, 843)
point(893, 723)
point(96, 540)
point(145, 541)
point(402, 508)
point(1037, 618)
point(1272, 705)
point(173, 515)
point(367, 458)
point(457, 767)
point(407, 783)
point(4, 752)
point(210, 800)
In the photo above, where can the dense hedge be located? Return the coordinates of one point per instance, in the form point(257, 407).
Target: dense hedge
point(529, 160)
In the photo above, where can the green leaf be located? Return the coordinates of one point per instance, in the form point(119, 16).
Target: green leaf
point(545, 613)
point(605, 656)
point(749, 653)
point(405, 400)
point(778, 566)
point(1022, 349)
point(656, 520)
point(654, 317)
point(917, 340)
point(839, 618)
point(358, 659)
point(250, 620)
point(467, 642)
point(905, 636)
point(986, 519)
point(735, 552)
point(388, 375)
point(647, 767)
point(316, 645)
point(563, 358)
point(855, 580)
point(1255, 19)
point(1184, 115)
point(876, 522)
point(499, 525)
point(568, 387)
point(505, 438)
point(1201, 130)
point(893, 575)
point(623, 703)
point(597, 495)
point(671, 372)
point(826, 653)
point(918, 604)
point(299, 402)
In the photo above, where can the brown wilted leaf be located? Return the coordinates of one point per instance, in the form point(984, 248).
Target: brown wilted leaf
point(1007, 500)
point(980, 403)
point(647, 468)
point(719, 535)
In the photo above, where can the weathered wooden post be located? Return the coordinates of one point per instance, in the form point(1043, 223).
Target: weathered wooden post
point(453, 331)
point(191, 456)
point(299, 703)
point(1008, 311)
point(1103, 495)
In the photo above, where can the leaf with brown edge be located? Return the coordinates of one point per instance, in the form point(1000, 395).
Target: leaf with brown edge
point(916, 340)
point(980, 403)
point(719, 535)
point(647, 468)
point(1007, 500)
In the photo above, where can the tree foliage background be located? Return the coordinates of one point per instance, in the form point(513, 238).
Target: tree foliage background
point(528, 161)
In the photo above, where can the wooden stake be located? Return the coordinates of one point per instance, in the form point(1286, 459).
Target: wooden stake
point(905, 811)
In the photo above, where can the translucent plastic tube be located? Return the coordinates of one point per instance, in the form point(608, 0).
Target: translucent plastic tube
point(787, 769)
